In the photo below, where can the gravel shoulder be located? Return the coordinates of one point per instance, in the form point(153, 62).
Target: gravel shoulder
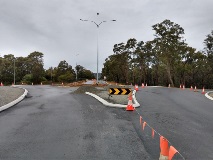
point(9, 94)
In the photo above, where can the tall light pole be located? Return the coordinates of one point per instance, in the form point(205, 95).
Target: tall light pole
point(98, 25)
point(14, 74)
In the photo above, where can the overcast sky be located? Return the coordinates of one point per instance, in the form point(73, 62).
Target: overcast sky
point(53, 27)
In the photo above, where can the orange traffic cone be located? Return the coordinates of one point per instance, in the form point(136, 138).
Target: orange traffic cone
point(172, 152)
point(180, 86)
point(130, 105)
point(195, 90)
point(146, 84)
point(142, 85)
point(2, 84)
point(183, 87)
point(41, 83)
point(169, 86)
point(164, 147)
point(136, 87)
point(191, 88)
point(203, 91)
point(62, 84)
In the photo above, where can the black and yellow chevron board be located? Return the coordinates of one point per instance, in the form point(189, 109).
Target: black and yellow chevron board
point(120, 91)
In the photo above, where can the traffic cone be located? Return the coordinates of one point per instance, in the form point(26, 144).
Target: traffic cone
point(32, 84)
point(191, 88)
point(130, 105)
point(136, 87)
point(169, 86)
point(2, 84)
point(172, 152)
point(146, 84)
point(195, 90)
point(183, 87)
point(164, 147)
point(41, 83)
point(203, 91)
point(180, 86)
point(142, 85)
point(62, 84)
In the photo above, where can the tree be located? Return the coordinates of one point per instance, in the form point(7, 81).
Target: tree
point(35, 66)
point(208, 50)
point(83, 73)
point(168, 38)
point(64, 72)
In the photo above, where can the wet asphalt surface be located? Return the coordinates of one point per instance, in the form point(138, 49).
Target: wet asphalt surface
point(184, 117)
point(51, 123)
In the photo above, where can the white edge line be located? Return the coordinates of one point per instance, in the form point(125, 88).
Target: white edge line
point(207, 95)
point(104, 102)
point(15, 101)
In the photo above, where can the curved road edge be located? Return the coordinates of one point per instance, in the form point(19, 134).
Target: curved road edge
point(15, 101)
point(207, 95)
point(104, 102)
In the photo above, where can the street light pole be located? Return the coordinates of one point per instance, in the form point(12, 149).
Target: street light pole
point(98, 25)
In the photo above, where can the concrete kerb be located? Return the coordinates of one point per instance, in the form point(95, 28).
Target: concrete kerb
point(15, 101)
point(104, 102)
point(207, 95)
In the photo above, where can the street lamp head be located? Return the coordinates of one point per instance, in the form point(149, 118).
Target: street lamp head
point(83, 20)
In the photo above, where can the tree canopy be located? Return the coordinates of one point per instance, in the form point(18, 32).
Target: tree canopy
point(166, 59)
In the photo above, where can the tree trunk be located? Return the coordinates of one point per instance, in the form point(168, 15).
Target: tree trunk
point(169, 76)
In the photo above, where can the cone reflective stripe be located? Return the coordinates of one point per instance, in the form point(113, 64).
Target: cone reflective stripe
point(153, 133)
point(203, 91)
point(144, 124)
point(172, 152)
point(164, 147)
point(141, 120)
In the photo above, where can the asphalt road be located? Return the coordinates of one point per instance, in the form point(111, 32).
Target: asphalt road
point(51, 123)
point(184, 117)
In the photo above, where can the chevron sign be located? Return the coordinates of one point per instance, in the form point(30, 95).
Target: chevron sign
point(120, 91)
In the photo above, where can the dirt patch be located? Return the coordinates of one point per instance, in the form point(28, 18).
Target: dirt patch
point(211, 94)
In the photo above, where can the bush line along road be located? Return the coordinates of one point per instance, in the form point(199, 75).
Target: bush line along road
point(64, 123)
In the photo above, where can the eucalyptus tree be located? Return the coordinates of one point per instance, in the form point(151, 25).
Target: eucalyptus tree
point(35, 66)
point(7, 68)
point(168, 38)
point(208, 42)
point(123, 61)
point(64, 72)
